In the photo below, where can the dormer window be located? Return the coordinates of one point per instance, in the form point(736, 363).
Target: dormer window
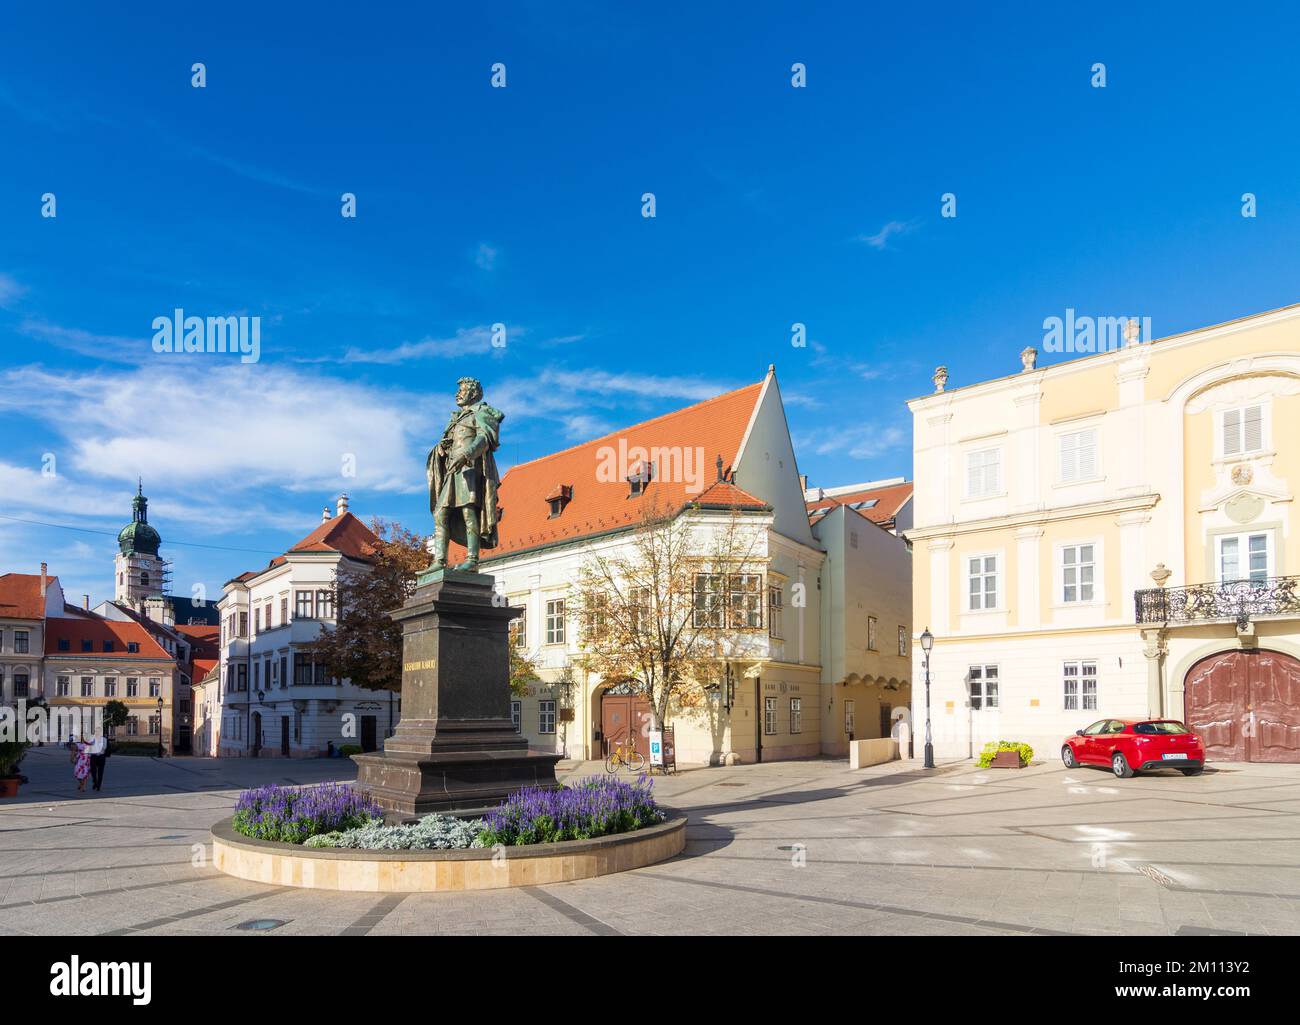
point(87, 645)
point(64, 645)
point(108, 645)
point(558, 498)
point(640, 479)
point(132, 647)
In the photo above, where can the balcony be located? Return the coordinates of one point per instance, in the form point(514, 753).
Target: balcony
point(1239, 600)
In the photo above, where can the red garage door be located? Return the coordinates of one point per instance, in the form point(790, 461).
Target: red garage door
point(1246, 706)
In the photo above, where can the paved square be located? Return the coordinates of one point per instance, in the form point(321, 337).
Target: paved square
point(887, 850)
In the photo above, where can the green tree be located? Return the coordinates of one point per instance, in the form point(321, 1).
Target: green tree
point(115, 715)
point(365, 645)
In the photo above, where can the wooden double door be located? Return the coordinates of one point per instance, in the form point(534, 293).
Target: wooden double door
point(621, 714)
point(1246, 706)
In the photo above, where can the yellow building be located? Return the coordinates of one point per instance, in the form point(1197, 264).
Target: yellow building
point(1112, 537)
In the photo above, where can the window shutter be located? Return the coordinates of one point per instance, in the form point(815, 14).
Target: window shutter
point(1069, 458)
point(1231, 432)
point(973, 476)
point(993, 473)
point(1087, 455)
point(1253, 428)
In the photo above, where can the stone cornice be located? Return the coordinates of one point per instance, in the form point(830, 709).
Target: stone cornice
point(1034, 517)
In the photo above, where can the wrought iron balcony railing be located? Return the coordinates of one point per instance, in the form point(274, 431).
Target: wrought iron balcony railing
point(1240, 600)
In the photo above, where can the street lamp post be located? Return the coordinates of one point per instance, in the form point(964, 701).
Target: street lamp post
point(927, 642)
point(160, 744)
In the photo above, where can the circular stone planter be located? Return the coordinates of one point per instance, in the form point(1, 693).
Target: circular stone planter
point(481, 868)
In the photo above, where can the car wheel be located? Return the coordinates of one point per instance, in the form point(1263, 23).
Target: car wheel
point(1119, 764)
point(1067, 756)
point(1192, 772)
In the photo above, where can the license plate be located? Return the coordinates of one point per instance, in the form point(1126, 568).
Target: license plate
point(1174, 756)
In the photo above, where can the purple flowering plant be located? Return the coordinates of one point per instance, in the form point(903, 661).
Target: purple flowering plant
point(292, 814)
point(595, 806)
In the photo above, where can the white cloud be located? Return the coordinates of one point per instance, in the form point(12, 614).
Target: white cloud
point(10, 291)
point(466, 342)
point(486, 257)
point(864, 440)
point(114, 348)
point(880, 239)
point(213, 427)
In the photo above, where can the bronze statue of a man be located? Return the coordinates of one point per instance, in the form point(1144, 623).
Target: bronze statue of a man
point(463, 478)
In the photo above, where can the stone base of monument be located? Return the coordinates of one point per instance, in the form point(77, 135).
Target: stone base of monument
point(454, 749)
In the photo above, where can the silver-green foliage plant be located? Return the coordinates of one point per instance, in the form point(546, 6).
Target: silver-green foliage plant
point(433, 832)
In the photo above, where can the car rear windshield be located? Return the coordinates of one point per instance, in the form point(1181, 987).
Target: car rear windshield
point(1160, 728)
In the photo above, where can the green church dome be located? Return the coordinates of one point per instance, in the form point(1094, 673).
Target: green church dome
point(137, 537)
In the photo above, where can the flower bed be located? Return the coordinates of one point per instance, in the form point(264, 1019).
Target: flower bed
point(595, 806)
point(433, 832)
point(291, 815)
point(333, 816)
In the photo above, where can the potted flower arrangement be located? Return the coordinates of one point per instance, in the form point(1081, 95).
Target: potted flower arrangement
point(1005, 754)
point(11, 754)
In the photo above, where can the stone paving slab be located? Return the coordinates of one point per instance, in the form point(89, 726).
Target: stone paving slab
point(888, 850)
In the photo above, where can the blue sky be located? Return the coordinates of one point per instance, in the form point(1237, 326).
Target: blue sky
point(522, 206)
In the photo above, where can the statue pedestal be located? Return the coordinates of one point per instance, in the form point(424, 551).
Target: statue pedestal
point(455, 749)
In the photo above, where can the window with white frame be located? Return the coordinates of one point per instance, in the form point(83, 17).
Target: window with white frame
point(155, 687)
point(515, 715)
point(132, 687)
point(769, 716)
point(546, 714)
point(746, 600)
point(555, 621)
point(871, 633)
point(775, 606)
point(519, 628)
point(982, 582)
point(1246, 556)
point(984, 686)
point(63, 686)
point(1077, 456)
point(1242, 430)
point(708, 598)
point(1080, 686)
point(640, 610)
point(848, 719)
point(1078, 573)
point(110, 686)
point(303, 605)
point(796, 715)
point(87, 686)
point(984, 473)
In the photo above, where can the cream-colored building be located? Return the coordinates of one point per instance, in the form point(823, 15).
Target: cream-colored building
point(802, 677)
point(1050, 505)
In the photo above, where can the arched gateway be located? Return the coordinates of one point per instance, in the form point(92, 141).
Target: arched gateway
point(1246, 706)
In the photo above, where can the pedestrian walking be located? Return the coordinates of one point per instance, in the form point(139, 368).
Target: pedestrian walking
point(98, 756)
point(80, 762)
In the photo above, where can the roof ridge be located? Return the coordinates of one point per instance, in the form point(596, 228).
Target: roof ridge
point(639, 424)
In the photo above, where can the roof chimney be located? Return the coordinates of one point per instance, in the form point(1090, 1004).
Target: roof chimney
point(803, 482)
point(326, 515)
point(44, 573)
point(343, 503)
point(85, 602)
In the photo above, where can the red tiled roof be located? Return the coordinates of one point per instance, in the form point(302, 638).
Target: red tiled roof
point(20, 595)
point(203, 638)
point(97, 630)
point(200, 667)
point(889, 499)
point(344, 534)
point(725, 495)
point(714, 428)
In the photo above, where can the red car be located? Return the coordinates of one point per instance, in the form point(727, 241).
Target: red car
point(1134, 745)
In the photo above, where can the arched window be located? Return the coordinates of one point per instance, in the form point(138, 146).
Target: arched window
point(144, 579)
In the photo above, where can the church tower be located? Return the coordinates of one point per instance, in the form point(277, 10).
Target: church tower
point(140, 572)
